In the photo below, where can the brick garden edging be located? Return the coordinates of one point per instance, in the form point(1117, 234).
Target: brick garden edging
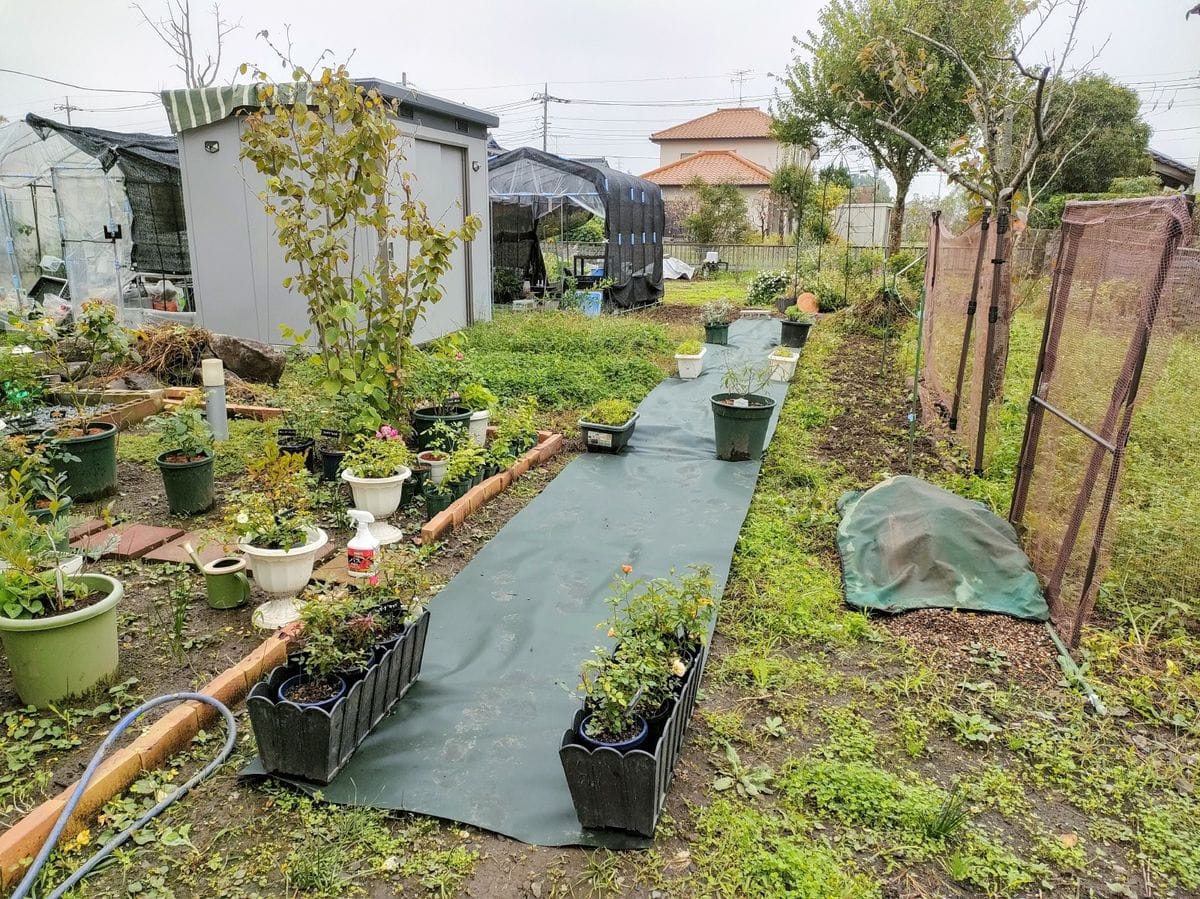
point(456, 513)
point(162, 739)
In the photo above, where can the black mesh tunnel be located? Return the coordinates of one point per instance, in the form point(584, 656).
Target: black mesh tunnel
point(631, 207)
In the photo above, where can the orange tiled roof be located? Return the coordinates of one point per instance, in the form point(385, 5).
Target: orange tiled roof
point(738, 121)
point(713, 166)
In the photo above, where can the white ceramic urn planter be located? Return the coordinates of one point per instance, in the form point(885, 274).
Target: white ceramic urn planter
point(283, 572)
point(437, 467)
point(690, 366)
point(381, 497)
point(783, 367)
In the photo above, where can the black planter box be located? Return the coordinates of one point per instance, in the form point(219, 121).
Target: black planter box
point(315, 744)
point(607, 438)
point(626, 790)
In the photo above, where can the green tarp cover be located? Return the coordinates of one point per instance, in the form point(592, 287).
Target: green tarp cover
point(906, 544)
point(476, 739)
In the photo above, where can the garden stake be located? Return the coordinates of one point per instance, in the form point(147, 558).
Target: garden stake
point(212, 373)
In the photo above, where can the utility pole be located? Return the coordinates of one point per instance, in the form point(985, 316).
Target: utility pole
point(739, 78)
point(546, 99)
point(67, 107)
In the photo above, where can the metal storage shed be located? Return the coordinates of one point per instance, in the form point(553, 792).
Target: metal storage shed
point(237, 264)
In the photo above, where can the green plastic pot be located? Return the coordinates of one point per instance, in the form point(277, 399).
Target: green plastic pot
point(717, 334)
point(741, 431)
point(68, 654)
point(189, 485)
point(93, 473)
point(436, 501)
point(45, 516)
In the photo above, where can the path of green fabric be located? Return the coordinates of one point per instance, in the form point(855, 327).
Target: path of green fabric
point(476, 738)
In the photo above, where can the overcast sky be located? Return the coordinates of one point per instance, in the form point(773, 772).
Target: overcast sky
point(644, 64)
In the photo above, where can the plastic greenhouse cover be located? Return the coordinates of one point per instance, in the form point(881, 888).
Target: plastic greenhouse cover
point(476, 739)
point(532, 183)
point(907, 544)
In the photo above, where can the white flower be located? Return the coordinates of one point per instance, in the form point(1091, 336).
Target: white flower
point(243, 518)
point(678, 668)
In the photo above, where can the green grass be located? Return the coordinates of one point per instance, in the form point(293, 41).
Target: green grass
point(722, 286)
point(569, 361)
point(246, 439)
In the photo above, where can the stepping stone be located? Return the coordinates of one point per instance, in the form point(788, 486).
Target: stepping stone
point(91, 526)
point(334, 571)
point(206, 548)
point(133, 540)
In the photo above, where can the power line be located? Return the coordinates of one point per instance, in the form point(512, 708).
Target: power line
point(78, 87)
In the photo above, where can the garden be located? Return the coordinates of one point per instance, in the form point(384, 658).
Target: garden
point(554, 605)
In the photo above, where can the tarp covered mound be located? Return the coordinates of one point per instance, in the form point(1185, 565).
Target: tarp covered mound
point(906, 544)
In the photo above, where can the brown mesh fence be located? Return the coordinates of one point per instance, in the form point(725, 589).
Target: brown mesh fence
point(1120, 306)
point(953, 279)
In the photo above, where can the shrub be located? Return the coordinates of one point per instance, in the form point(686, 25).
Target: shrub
point(610, 412)
point(718, 312)
point(766, 287)
point(689, 348)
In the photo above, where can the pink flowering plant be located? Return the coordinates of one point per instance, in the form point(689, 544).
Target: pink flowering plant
point(378, 455)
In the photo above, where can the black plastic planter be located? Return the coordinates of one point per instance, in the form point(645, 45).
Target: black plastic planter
point(626, 790)
point(289, 442)
point(93, 473)
point(718, 334)
point(189, 485)
point(424, 419)
point(331, 461)
point(794, 334)
point(436, 501)
point(741, 431)
point(607, 438)
point(314, 743)
point(414, 484)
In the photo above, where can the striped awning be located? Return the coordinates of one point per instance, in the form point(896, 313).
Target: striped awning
point(203, 106)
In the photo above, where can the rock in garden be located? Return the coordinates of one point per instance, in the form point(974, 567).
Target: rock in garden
point(252, 360)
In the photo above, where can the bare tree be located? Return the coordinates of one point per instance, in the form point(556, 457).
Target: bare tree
point(176, 32)
point(1014, 117)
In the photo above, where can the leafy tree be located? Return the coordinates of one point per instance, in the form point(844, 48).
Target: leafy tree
point(854, 72)
point(330, 154)
point(1103, 138)
point(836, 174)
point(720, 215)
point(870, 189)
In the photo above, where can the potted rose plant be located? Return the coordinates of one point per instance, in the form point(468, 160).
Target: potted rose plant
point(59, 630)
point(741, 414)
point(376, 468)
point(186, 462)
point(689, 358)
point(795, 326)
point(620, 753)
point(608, 425)
point(716, 316)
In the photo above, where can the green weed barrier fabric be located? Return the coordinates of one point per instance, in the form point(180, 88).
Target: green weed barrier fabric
point(476, 738)
point(906, 544)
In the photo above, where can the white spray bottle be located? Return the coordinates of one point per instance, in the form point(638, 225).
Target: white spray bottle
point(362, 552)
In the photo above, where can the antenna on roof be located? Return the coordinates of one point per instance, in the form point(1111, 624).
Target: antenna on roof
point(739, 78)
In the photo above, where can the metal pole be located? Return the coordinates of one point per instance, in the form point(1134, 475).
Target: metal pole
point(993, 316)
point(545, 111)
point(972, 306)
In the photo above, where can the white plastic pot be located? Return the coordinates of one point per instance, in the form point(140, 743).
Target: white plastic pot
point(285, 570)
point(379, 496)
point(690, 366)
point(783, 367)
point(478, 426)
point(437, 467)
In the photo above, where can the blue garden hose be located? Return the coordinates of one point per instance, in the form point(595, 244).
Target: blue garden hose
point(34, 869)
